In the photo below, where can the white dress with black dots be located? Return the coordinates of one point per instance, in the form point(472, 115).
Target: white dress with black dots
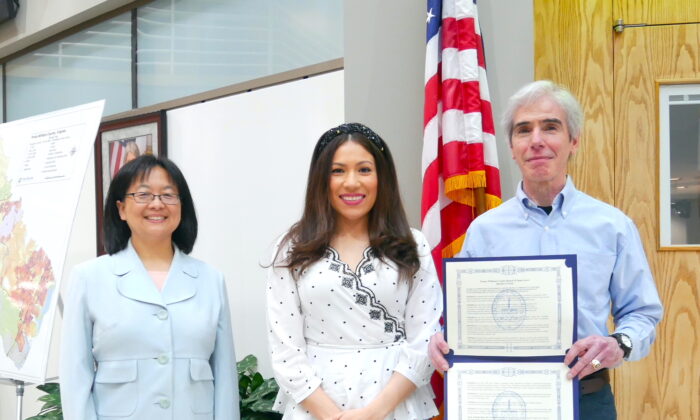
point(349, 330)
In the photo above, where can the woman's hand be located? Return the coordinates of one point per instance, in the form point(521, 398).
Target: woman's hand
point(320, 405)
point(396, 390)
point(364, 413)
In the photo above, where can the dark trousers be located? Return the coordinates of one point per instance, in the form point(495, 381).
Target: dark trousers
point(598, 405)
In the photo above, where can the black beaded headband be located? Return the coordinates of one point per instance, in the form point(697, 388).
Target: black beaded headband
point(350, 128)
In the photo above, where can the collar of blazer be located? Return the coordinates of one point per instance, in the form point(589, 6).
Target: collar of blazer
point(134, 282)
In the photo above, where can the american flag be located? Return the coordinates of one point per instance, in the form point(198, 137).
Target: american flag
point(116, 157)
point(460, 164)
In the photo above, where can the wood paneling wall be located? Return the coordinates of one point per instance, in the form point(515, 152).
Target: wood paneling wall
point(573, 47)
point(576, 46)
point(665, 385)
point(656, 11)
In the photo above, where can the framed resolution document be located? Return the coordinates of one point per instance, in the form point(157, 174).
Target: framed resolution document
point(509, 322)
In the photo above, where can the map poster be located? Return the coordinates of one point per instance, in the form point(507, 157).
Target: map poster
point(43, 160)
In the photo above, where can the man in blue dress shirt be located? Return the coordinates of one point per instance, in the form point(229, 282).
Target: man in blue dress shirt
point(550, 216)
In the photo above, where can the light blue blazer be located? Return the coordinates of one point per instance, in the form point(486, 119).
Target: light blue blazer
point(129, 351)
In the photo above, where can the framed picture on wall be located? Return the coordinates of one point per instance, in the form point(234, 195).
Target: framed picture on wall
point(119, 142)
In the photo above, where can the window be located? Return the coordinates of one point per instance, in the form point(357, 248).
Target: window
point(84, 67)
point(186, 47)
point(183, 47)
point(679, 165)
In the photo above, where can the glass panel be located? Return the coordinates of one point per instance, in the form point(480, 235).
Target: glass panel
point(680, 165)
point(90, 65)
point(190, 46)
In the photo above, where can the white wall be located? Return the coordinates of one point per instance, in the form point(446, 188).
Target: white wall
point(40, 19)
point(507, 27)
point(384, 66)
point(246, 159)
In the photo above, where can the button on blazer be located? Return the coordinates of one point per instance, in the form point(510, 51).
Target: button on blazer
point(130, 351)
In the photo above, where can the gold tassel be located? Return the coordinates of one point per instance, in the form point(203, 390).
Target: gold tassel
point(460, 188)
point(452, 249)
point(492, 201)
point(474, 179)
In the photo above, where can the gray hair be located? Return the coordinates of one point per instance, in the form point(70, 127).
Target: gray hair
point(534, 91)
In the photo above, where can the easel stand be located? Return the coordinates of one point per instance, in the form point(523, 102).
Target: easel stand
point(19, 391)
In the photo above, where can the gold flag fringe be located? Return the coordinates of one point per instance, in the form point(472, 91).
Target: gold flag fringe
point(492, 201)
point(451, 249)
point(474, 179)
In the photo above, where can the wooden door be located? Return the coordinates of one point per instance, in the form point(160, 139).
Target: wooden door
point(665, 385)
point(614, 75)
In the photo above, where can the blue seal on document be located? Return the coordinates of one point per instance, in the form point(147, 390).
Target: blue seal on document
point(508, 309)
point(509, 405)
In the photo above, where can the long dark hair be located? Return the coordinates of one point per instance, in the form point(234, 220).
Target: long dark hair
point(389, 233)
point(117, 232)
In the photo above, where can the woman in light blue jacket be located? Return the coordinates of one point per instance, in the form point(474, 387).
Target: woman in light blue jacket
point(146, 329)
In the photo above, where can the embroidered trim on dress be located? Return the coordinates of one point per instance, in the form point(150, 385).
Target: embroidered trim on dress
point(350, 279)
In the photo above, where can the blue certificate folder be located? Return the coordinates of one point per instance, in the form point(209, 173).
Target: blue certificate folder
point(504, 309)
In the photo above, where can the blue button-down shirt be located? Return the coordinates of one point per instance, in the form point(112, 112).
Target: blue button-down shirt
point(613, 273)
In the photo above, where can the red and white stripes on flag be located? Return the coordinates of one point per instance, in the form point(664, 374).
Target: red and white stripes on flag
point(460, 165)
point(117, 153)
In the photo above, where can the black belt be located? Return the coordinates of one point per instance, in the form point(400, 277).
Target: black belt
point(594, 382)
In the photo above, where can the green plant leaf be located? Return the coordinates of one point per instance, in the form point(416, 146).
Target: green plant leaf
point(267, 390)
point(50, 399)
point(49, 388)
point(257, 381)
point(269, 386)
point(51, 410)
point(260, 416)
point(263, 406)
point(49, 407)
point(243, 383)
point(248, 365)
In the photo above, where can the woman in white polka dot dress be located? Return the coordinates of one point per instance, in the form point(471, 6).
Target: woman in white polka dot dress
point(352, 295)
